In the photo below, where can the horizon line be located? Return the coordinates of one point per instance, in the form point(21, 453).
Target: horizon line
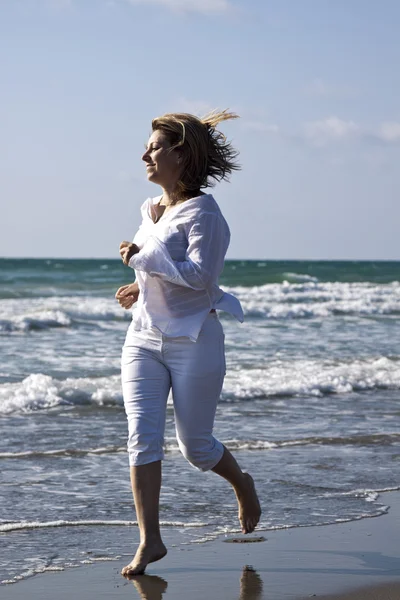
point(226, 260)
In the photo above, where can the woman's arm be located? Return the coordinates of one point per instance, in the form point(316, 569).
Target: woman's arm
point(208, 240)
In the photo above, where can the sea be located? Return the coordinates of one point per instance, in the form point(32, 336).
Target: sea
point(310, 407)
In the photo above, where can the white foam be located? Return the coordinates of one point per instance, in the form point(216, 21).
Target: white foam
point(44, 319)
point(249, 445)
point(312, 378)
point(63, 452)
point(25, 314)
point(275, 378)
point(369, 495)
point(171, 446)
point(23, 525)
point(301, 297)
point(299, 277)
point(313, 299)
point(39, 391)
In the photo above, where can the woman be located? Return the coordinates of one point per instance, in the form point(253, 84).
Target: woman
point(175, 340)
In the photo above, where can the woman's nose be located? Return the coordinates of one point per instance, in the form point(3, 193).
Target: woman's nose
point(146, 157)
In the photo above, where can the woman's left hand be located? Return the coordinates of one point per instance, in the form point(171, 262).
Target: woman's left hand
point(127, 250)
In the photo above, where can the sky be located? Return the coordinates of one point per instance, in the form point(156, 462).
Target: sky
point(315, 82)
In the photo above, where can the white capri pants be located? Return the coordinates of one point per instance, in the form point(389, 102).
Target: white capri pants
point(152, 364)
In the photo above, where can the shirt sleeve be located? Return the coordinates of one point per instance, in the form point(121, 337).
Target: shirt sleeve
point(208, 241)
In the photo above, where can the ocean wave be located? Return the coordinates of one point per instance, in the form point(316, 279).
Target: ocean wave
point(24, 525)
point(369, 495)
point(277, 378)
point(39, 391)
point(285, 301)
point(45, 313)
point(350, 440)
point(171, 446)
point(318, 300)
point(61, 452)
point(311, 378)
point(32, 571)
point(299, 277)
point(46, 319)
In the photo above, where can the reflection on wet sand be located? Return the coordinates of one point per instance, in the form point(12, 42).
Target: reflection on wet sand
point(149, 587)
point(152, 587)
point(251, 585)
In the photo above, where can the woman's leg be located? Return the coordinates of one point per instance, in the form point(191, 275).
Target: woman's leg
point(146, 485)
point(243, 485)
point(145, 385)
point(197, 373)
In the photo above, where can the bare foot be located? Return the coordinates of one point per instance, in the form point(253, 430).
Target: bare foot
point(249, 506)
point(145, 554)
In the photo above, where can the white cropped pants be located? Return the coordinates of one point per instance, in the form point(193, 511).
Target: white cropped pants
point(152, 364)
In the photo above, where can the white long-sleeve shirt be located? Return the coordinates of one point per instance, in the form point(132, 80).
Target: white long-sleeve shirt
point(177, 269)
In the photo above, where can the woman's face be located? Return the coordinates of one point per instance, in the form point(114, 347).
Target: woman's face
point(162, 163)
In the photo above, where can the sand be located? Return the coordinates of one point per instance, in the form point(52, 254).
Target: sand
point(357, 560)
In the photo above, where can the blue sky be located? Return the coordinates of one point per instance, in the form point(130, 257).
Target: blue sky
point(316, 83)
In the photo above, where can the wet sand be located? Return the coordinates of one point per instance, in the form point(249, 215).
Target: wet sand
point(358, 561)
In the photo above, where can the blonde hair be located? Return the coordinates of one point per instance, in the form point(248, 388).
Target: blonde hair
point(207, 156)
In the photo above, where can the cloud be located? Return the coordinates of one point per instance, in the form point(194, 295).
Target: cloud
point(330, 129)
point(207, 7)
point(389, 132)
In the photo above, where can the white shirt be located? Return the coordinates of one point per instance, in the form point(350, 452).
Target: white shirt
point(177, 269)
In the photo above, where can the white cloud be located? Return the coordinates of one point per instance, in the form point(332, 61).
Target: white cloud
point(389, 132)
point(209, 7)
point(331, 129)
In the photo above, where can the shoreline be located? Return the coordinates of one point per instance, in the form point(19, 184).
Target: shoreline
point(347, 561)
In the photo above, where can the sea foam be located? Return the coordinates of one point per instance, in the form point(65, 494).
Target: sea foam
point(25, 314)
point(277, 378)
point(24, 525)
point(318, 300)
point(299, 300)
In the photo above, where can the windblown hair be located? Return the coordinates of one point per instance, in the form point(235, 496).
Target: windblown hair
point(207, 156)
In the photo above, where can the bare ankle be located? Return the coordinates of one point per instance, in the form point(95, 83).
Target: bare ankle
point(150, 539)
point(242, 484)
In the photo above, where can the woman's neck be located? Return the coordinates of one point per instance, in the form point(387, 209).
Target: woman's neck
point(171, 197)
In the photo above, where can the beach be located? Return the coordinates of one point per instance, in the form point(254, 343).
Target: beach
point(309, 407)
point(357, 560)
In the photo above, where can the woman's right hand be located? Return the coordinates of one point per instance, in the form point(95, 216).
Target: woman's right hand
point(127, 295)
